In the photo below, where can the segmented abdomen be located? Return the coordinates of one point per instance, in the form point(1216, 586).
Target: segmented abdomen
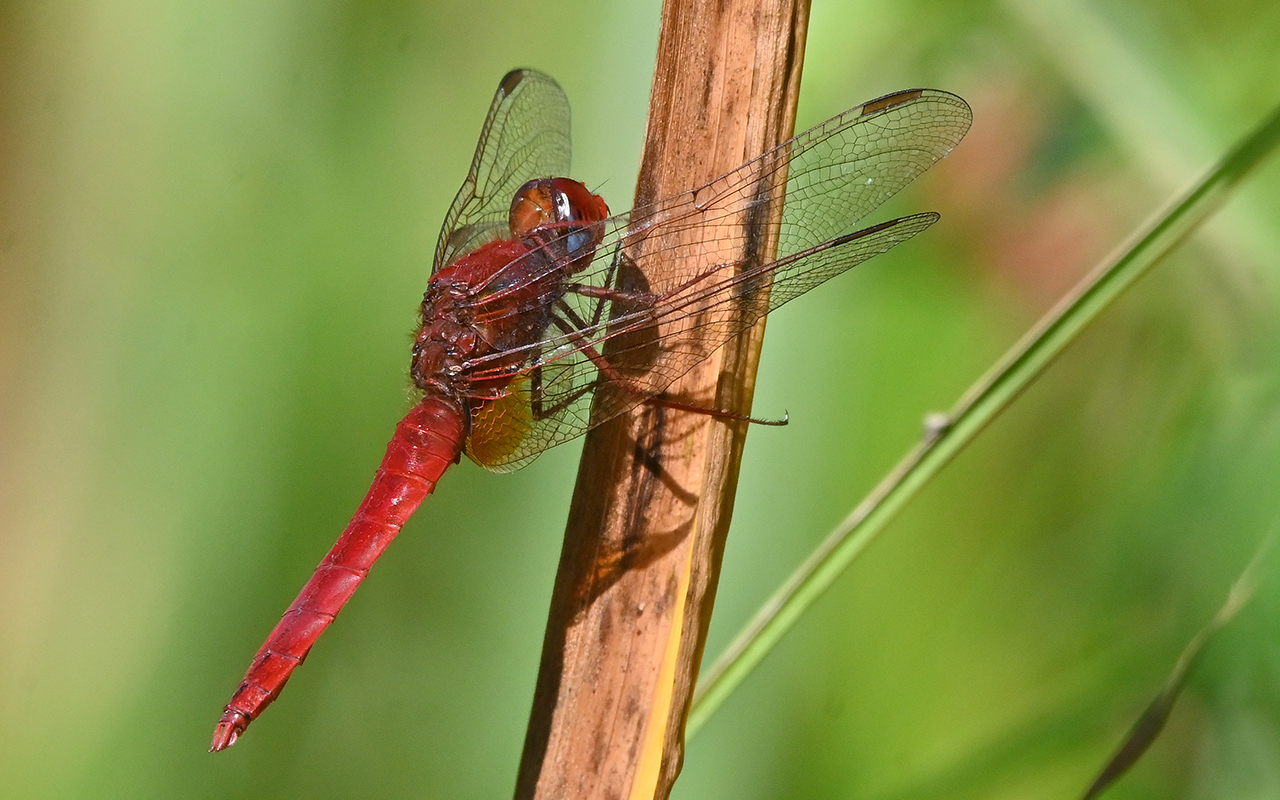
point(425, 443)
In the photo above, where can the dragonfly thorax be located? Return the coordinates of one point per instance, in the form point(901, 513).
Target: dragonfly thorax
point(439, 350)
point(555, 224)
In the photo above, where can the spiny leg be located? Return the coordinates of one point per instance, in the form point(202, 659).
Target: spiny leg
point(571, 324)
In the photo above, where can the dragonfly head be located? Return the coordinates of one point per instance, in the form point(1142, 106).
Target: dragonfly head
point(547, 210)
point(545, 202)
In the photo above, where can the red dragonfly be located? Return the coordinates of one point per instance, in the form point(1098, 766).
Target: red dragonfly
point(545, 317)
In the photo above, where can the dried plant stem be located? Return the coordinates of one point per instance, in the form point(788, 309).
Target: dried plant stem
point(641, 557)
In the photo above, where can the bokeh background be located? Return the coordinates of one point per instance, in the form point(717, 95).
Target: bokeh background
point(216, 222)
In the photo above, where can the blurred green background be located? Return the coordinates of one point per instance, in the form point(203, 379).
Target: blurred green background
point(216, 222)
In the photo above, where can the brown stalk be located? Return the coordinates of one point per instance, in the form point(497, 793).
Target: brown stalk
point(651, 508)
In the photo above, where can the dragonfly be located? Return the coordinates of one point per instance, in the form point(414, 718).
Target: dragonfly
point(545, 316)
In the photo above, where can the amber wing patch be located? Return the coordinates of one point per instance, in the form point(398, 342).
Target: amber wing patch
point(499, 426)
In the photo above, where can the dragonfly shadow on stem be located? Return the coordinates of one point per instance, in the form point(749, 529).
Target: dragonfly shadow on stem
point(613, 559)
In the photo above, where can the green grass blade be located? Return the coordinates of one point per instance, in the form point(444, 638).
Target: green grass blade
point(1152, 721)
point(974, 411)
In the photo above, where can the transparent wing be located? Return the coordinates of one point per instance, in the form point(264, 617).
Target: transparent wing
point(672, 281)
point(525, 136)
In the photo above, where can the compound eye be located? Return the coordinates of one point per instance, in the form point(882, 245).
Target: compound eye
point(537, 203)
point(547, 202)
point(576, 202)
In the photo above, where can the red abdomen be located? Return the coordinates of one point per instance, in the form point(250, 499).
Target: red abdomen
point(425, 443)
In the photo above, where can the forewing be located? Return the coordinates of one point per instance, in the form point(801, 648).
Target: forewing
point(831, 176)
point(525, 136)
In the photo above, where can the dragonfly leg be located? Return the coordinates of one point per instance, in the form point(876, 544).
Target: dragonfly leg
point(610, 277)
point(605, 293)
point(542, 412)
point(536, 394)
point(535, 386)
point(664, 402)
point(570, 323)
